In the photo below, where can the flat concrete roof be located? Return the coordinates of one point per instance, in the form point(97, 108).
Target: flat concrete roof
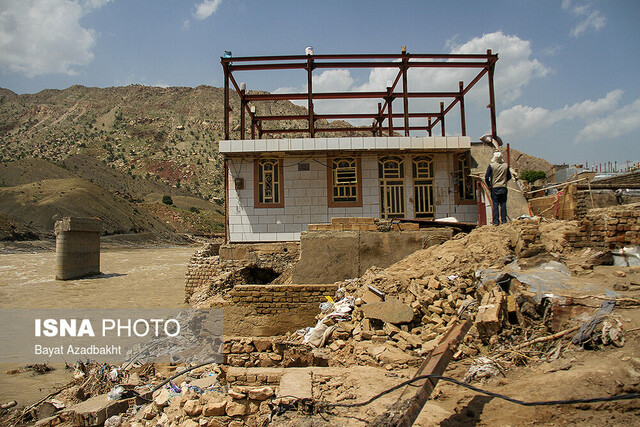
point(441, 143)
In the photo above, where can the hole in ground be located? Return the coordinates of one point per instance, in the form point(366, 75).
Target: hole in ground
point(258, 276)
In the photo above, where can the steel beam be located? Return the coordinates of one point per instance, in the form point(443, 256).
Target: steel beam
point(362, 56)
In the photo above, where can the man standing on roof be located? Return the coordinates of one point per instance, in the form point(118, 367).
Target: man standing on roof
point(497, 176)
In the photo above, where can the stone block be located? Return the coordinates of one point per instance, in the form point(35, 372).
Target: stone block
point(214, 408)
point(261, 393)
point(236, 408)
point(490, 314)
point(192, 407)
point(390, 311)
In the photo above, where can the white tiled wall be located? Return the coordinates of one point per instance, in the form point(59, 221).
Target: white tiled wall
point(305, 198)
point(353, 143)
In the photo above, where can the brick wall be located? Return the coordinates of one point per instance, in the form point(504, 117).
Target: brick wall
point(612, 227)
point(202, 268)
point(266, 352)
point(272, 299)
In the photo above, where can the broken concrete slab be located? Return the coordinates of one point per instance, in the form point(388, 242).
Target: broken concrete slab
point(94, 411)
point(295, 383)
point(372, 295)
point(390, 311)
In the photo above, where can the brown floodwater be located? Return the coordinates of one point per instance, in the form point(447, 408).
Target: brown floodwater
point(131, 278)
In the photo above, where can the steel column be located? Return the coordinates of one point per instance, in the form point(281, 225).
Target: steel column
point(463, 124)
point(226, 101)
point(492, 98)
point(442, 118)
point(243, 105)
point(310, 96)
point(390, 114)
point(405, 98)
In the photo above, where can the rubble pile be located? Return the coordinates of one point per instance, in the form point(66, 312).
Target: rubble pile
point(203, 398)
point(399, 314)
point(195, 406)
point(199, 340)
point(498, 277)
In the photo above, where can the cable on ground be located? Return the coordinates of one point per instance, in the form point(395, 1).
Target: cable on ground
point(628, 396)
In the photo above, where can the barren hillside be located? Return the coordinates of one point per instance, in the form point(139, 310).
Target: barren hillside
point(39, 204)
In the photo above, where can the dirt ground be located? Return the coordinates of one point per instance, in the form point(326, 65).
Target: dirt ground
point(578, 374)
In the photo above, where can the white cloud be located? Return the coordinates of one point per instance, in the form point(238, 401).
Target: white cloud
point(45, 36)
point(522, 120)
point(589, 108)
point(515, 68)
point(589, 18)
point(333, 81)
point(206, 9)
point(620, 122)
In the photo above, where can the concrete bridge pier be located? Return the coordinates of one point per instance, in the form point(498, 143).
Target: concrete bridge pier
point(77, 247)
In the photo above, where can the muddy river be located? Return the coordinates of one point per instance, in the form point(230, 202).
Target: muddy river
point(131, 278)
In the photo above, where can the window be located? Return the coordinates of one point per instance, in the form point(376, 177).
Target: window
point(269, 192)
point(391, 181)
point(422, 172)
point(465, 190)
point(344, 184)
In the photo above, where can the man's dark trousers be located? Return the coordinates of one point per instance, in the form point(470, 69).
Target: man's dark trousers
point(499, 199)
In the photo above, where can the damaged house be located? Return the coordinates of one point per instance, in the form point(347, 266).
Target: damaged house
point(277, 183)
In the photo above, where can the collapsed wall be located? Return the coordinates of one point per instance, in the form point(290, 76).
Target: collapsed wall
point(216, 269)
point(612, 227)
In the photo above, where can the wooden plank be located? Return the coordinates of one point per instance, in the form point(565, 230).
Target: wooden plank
point(408, 406)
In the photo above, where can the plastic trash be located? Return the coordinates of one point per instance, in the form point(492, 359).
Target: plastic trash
point(113, 375)
point(325, 307)
point(116, 393)
point(318, 335)
point(174, 388)
point(629, 256)
point(588, 331)
point(482, 367)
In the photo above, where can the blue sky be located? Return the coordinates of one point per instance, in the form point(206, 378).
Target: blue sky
point(566, 81)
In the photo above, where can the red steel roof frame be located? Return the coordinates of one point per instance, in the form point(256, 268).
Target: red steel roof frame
point(485, 63)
